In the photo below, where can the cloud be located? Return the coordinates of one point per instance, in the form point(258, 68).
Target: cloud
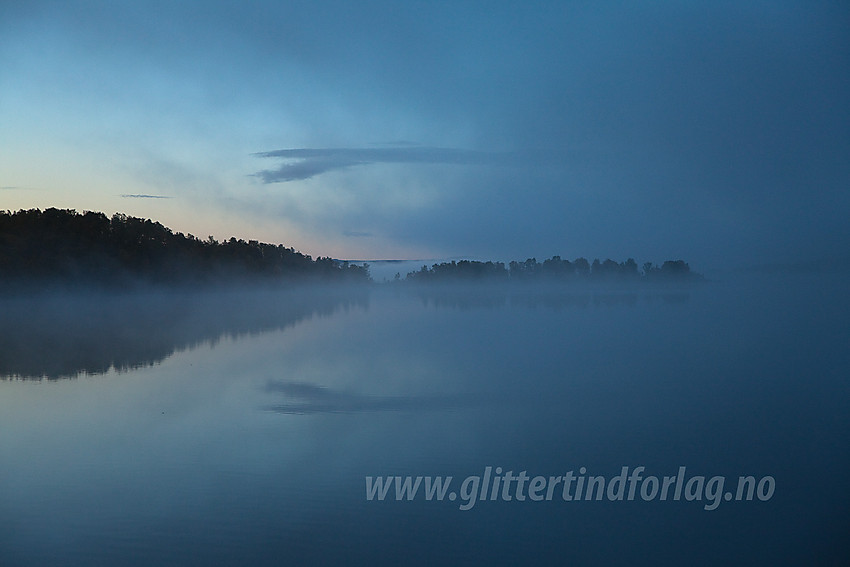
point(304, 163)
point(141, 196)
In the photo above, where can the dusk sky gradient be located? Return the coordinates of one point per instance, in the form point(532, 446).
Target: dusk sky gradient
point(717, 132)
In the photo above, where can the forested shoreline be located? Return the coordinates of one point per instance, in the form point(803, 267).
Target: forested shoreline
point(66, 248)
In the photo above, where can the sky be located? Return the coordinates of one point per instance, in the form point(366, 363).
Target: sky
point(716, 132)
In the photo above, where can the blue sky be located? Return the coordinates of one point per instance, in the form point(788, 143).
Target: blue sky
point(717, 132)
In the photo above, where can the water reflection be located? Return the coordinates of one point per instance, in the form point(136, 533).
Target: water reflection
point(64, 336)
point(254, 450)
point(306, 398)
point(555, 297)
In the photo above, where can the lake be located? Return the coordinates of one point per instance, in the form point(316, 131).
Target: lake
point(239, 427)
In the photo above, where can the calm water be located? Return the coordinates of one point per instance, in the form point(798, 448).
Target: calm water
point(239, 428)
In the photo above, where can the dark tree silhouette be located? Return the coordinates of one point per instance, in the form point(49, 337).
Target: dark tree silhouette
point(553, 269)
point(69, 248)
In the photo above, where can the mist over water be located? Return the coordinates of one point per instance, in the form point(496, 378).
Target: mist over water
point(239, 427)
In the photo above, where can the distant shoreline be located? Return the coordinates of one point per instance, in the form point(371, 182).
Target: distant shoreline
point(62, 249)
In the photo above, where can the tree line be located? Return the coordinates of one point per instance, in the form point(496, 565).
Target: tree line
point(66, 247)
point(553, 269)
point(62, 245)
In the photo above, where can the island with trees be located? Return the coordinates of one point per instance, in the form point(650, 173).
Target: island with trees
point(554, 269)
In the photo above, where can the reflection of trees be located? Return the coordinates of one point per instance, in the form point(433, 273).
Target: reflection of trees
point(62, 336)
point(549, 297)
